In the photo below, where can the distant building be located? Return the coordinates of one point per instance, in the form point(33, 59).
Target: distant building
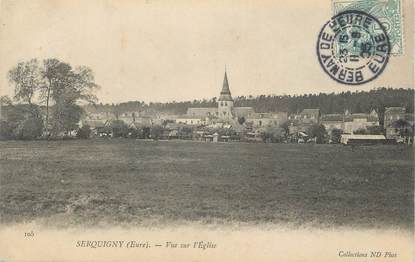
point(266, 119)
point(333, 121)
point(391, 117)
point(143, 121)
point(191, 120)
point(128, 117)
point(353, 122)
point(310, 116)
point(303, 121)
point(94, 115)
point(393, 114)
point(348, 122)
point(136, 118)
point(98, 127)
point(202, 112)
point(348, 139)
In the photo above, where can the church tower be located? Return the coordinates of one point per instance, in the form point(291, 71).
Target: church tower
point(225, 101)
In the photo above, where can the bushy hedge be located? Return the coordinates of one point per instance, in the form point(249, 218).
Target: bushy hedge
point(6, 130)
point(84, 132)
point(27, 129)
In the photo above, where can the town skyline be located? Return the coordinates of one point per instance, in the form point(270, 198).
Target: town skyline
point(253, 95)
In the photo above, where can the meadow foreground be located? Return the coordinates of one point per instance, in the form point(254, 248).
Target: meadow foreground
point(133, 182)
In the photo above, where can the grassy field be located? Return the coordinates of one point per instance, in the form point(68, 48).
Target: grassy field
point(132, 182)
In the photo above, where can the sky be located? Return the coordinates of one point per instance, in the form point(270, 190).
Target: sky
point(157, 51)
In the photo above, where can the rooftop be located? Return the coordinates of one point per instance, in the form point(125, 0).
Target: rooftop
point(394, 110)
point(332, 117)
point(310, 111)
point(225, 94)
point(363, 136)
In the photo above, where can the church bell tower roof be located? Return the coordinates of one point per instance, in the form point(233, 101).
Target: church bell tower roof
point(225, 94)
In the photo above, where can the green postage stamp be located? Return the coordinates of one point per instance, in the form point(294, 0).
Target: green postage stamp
point(388, 12)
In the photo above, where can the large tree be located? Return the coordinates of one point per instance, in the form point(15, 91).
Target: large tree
point(60, 87)
point(27, 80)
point(65, 118)
point(65, 87)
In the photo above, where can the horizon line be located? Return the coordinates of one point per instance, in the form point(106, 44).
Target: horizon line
point(284, 94)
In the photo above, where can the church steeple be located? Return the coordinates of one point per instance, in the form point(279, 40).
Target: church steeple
point(225, 94)
point(225, 87)
point(225, 101)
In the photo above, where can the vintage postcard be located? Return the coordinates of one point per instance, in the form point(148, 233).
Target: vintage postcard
point(152, 130)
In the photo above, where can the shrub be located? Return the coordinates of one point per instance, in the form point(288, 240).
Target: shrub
point(241, 120)
point(156, 132)
point(145, 133)
point(185, 132)
point(318, 132)
point(84, 132)
point(30, 128)
point(336, 135)
point(375, 130)
point(6, 130)
point(134, 133)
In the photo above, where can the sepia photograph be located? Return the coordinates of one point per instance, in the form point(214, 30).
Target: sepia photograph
point(154, 130)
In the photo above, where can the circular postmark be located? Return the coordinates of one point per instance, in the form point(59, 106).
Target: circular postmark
point(353, 48)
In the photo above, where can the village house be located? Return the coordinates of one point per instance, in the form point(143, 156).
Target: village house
point(348, 122)
point(95, 115)
point(100, 121)
point(191, 120)
point(353, 122)
point(303, 121)
point(98, 127)
point(332, 121)
point(350, 139)
point(310, 116)
point(128, 117)
point(391, 117)
point(267, 119)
